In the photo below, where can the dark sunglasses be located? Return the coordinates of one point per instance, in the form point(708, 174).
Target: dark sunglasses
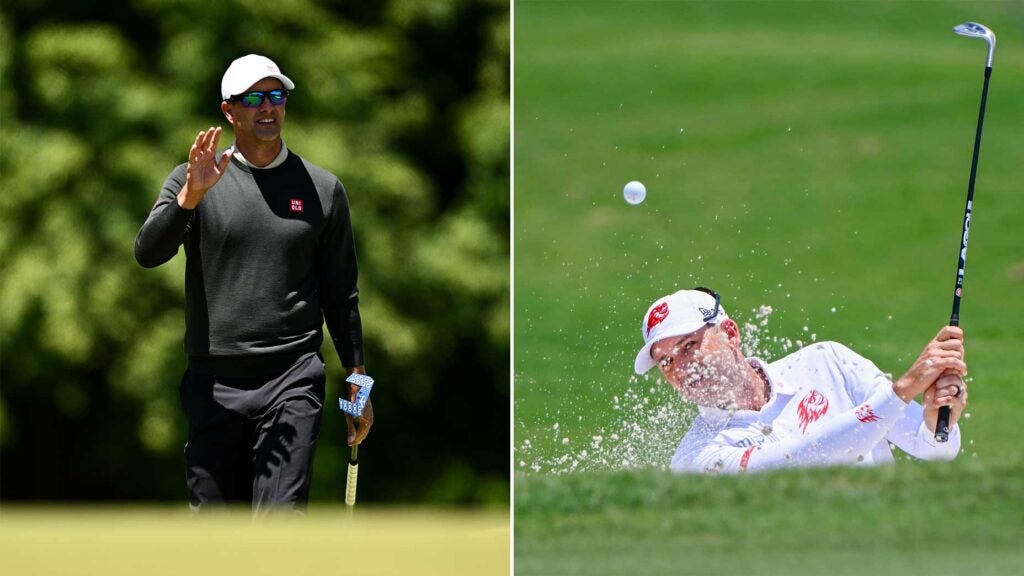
point(255, 99)
point(708, 317)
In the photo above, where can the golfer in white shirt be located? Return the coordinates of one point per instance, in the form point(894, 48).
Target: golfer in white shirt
point(822, 405)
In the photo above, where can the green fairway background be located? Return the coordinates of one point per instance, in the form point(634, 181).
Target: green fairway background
point(808, 156)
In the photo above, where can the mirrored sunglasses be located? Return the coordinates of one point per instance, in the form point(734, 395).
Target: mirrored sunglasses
point(255, 99)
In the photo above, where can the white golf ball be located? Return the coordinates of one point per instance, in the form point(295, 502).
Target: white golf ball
point(634, 192)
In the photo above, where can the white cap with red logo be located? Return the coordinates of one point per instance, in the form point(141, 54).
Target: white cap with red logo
point(248, 70)
point(677, 314)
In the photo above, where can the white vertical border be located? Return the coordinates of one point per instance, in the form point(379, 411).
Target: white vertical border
point(511, 286)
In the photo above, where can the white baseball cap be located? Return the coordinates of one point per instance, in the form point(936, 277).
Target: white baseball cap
point(248, 70)
point(677, 314)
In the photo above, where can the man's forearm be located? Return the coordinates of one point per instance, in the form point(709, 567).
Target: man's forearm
point(189, 196)
point(162, 234)
point(842, 440)
point(346, 328)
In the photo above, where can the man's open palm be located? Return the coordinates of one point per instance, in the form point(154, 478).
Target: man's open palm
point(204, 171)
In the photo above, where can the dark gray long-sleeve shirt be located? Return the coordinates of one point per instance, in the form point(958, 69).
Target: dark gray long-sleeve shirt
point(270, 256)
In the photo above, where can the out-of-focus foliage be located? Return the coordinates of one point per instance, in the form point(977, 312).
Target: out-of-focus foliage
point(407, 102)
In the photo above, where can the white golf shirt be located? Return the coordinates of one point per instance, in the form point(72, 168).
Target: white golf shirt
point(828, 406)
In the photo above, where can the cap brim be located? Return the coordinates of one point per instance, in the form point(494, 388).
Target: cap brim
point(284, 80)
point(236, 90)
point(643, 361)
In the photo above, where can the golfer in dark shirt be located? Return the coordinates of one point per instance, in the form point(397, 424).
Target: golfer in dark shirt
point(270, 257)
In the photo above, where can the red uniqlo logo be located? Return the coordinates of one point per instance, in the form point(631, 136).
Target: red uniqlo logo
point(296, 205)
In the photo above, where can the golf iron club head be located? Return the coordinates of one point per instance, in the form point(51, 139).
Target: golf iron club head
point(365, 384)
point(975, 30)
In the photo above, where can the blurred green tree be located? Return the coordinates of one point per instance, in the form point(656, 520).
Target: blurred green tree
point(407, 102)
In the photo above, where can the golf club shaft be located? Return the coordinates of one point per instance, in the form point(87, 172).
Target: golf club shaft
point(942, 425)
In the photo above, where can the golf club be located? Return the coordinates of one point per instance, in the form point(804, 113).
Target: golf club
point(355, 409)
point(973, 30)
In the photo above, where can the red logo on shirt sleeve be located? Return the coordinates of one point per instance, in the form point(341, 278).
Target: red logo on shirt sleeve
point(296, 205)
point(811, 408)
point(865, 414)
point(656, 316)
point(745, 459)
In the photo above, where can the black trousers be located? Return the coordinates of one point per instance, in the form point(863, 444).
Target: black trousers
point(252, 440)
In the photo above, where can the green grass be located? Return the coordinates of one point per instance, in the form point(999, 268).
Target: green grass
point(812, 157)
point(896, 520)
point(106, 541)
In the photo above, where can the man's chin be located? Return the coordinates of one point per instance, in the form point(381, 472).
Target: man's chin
point(267, 133)
point(730, 403)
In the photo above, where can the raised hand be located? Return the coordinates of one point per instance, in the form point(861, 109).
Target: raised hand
point(204, 171)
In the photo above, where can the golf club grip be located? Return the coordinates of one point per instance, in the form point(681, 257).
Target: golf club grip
point(942, 425)
point(350, 485)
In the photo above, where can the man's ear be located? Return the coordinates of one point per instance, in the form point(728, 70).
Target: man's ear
point(225, 108)
point(732, 331)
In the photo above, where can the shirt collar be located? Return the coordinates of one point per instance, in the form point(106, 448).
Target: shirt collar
point(273, 164)
point(775, 380)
